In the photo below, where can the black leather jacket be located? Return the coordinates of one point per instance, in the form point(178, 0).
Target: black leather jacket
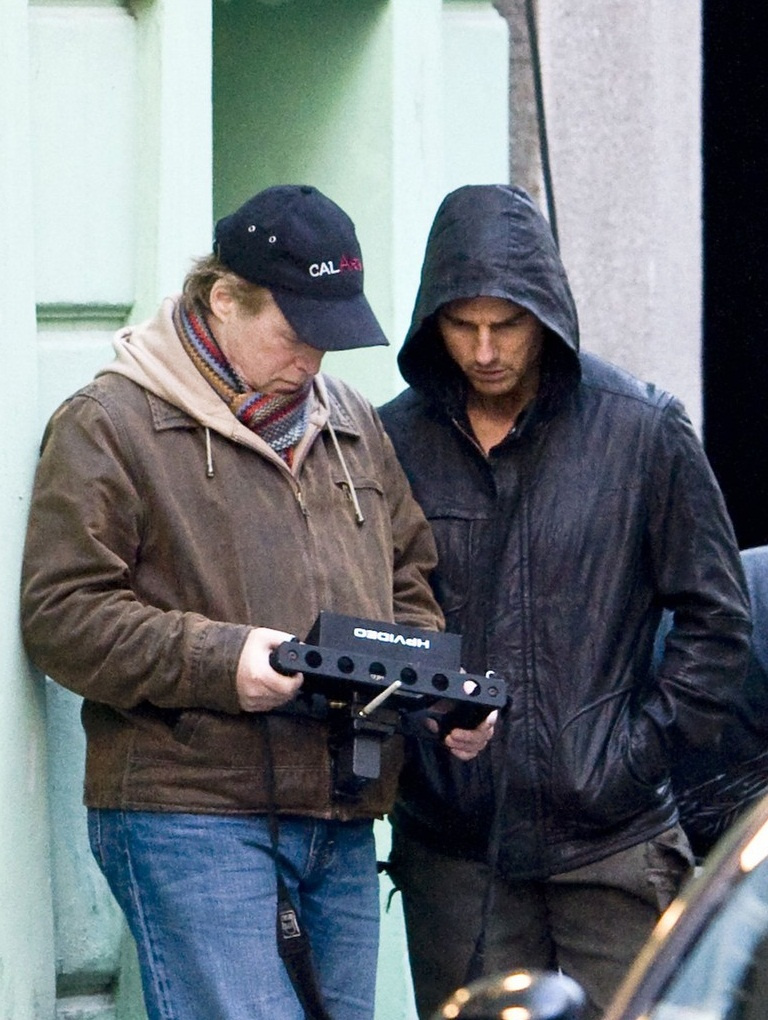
point(557, 554)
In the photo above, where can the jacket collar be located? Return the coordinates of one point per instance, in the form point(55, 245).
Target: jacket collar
point(337, 414)
point(326, 408)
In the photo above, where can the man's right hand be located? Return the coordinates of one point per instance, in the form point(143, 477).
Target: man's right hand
point(259, 687)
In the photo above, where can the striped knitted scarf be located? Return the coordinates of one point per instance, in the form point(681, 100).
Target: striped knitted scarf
point(279, 419)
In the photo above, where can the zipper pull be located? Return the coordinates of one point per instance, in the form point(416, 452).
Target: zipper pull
point(300, 501)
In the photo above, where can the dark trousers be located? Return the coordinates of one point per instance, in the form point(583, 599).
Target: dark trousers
point(590, 923)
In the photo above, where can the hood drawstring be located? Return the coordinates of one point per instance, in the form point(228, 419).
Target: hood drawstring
point(359, 517)
point(350, 487)
point(208, 454)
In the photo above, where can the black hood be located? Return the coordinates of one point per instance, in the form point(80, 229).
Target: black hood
point(488, 240)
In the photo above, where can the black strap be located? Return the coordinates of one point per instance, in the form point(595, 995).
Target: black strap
point(296, 953)
point(293, 944)
point(476, 966)
point(533, 45)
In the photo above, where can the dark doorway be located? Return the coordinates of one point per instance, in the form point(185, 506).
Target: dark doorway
point(735, 131)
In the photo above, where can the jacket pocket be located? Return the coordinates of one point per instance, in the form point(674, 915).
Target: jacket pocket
point(200, 736)
point(607, 767)
point(187, 725)
point(456, 539)
point(368, 492)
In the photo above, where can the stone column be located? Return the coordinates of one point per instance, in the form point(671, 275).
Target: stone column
point(621, 84)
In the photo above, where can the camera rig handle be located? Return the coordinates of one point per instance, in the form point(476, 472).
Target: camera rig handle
point(368, 688)
point(338, 673)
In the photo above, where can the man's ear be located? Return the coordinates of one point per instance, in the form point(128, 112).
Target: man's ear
point(221, 300)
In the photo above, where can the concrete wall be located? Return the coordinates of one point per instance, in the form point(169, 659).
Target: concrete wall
point(622, 95)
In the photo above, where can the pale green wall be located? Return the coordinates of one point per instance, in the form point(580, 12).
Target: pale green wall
point(303, 93)
point(26, 934)
point(118, 212)
point(475, 110)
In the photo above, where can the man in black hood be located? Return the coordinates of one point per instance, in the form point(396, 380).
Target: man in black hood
point(571, 504)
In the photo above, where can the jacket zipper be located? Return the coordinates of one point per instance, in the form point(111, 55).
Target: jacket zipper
point(300, 500)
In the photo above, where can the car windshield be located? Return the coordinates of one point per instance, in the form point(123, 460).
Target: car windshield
point(725, 976)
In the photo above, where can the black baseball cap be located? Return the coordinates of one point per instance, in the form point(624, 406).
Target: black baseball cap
point(302, 247)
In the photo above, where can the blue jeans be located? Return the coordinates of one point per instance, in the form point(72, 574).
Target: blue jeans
point(199, 894)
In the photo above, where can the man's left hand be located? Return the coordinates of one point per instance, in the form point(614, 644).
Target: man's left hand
point(467, 744)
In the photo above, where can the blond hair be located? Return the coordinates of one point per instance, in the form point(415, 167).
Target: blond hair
point(206, 271)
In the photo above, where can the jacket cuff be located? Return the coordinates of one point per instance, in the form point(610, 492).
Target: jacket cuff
point(214, 668)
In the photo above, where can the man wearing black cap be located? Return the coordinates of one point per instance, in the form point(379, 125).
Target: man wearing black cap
point(198, 503)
